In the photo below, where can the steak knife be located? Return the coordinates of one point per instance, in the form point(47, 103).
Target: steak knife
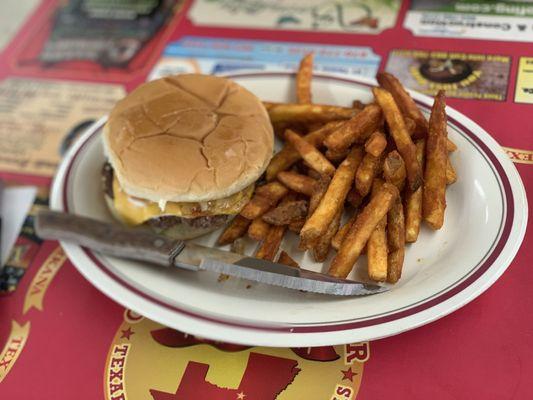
point(144, 245)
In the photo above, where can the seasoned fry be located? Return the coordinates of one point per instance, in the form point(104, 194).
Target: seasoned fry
point(366, 172)
point(395, 241)
point(288, 156)
point(434, 196)
point(303, 79)
point(258, 229)
point(354, 198)
point(269, 248)
point(410, 125)
point(413, 200)
point(323, 244)
point(336, 156)
point(297, 182)
point(321, 186)
point(296, 225)
point(341, 233)
point(355, 130)
point(285, 259)
point(314, 158)
point(394, 169)
point(361, 230)
point(376, 246)
point(333, 199)
point(265, 197)
point(307, 113)
point(406, 104)
point(401, 137)
point(376, 143)
point(286, 212)
point(450, 146)
point(235, 229)
point(451, 175)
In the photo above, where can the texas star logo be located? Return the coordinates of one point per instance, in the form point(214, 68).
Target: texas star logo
point(149, 361)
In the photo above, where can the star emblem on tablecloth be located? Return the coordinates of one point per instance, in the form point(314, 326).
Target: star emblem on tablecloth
point(126, 333)
point(240, 396)
point(348, 374)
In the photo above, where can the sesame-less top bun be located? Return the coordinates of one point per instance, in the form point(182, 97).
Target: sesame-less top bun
point(188, 138)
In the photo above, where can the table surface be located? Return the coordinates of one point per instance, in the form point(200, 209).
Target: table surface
point(60, 336)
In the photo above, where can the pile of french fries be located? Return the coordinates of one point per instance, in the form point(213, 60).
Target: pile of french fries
point(381, 167)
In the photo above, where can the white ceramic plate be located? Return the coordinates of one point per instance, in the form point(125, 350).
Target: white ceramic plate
point(485, 224)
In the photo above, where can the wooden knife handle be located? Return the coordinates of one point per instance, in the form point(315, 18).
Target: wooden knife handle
point(111, 239)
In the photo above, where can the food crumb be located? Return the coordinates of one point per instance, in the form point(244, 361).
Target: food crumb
point(248, 286)
point(223, 278)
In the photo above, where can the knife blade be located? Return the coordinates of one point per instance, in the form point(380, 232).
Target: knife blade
point(143, 245)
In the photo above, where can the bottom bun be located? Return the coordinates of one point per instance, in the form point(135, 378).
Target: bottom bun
point(178, 227)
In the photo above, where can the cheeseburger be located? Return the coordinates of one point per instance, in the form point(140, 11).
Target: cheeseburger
point(184, 152)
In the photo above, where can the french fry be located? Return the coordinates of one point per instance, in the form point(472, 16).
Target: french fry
point(410, 125)
point(297, 182)
point(270, 245)
point(341, 233)
point(355, 130)
point(395, 241)
point(360, 231)
point(366, 172)
point(354, 198)
point(333, 199)
point(406, 104)
point(404, 144)
point(375, 144)
point(264, 198)
point(323, 244)
point(234, 230)
point(285, 259)
point(450, 146)
point(321, 186)
point(434, 195)
point(336, 156)
point(451, 175)
point(296, 225)
point(258, 229)
point(307, 113)
point(288, 156)
point(394, 169)
point(286, 212)
point(314, 158)
point(376, 248)
point(413, 201)
point(303, 79)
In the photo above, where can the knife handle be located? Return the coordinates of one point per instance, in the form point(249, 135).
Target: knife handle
point(133, 243)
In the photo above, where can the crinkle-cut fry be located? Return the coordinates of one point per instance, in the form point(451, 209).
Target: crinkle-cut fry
point(336, 242)
point(394, 169)
point(323, 244)
point(376, 143)
point(270, 245)
point(306, 113)
point(288, 156)
point(406, 104)
point(296, 225)
point(354, 198)
point(360, 231)
point(376, 247)
point(234, 230)
point(451, 175)
point(303, 79)
point(333, 199)
point(264, 198)
point(285, 259)
point(367, 171)
point(434, 195)
point(355, 130)
point(321, 186)
point(258, 229)
point(297, 182)
point(286, 212)
point(413, 201)
point(314, 158)
point(336, 156)
point(450, 146)
point(404, 144)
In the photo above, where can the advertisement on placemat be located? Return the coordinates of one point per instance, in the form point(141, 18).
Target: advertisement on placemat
point(359, 16)
point(471, 19)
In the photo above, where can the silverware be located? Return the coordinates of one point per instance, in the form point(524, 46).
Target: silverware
point(143, 245)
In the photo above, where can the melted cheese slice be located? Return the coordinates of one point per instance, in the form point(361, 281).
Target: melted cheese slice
point(135, 211)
